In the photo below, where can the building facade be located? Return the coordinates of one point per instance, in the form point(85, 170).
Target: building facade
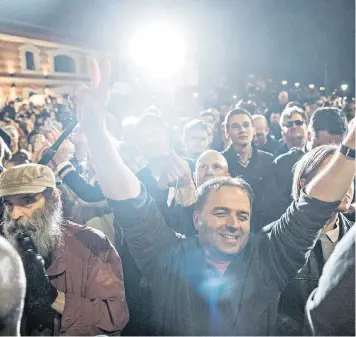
point(29, 65)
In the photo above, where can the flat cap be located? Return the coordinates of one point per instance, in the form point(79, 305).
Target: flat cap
point(26, 179)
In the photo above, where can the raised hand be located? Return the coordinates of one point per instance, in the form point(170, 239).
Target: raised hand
point(91, 101)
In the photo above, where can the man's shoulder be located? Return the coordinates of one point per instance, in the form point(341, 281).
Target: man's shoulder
point(293, 154)
point(91, 238)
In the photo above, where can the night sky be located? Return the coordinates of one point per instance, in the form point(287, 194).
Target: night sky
point(280, 39)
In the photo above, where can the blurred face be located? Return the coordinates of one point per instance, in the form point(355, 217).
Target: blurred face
point(240, 130)
point(35, 217)
point(196, 142)
point(153, 142)
point(283, 97)
point(295, 130)
point(23, 143)
point(223, 224)
point(261, 131)
point(347, 200)
point(211, 165)
point(275, 117)
point(324, 137)
point(210, 120)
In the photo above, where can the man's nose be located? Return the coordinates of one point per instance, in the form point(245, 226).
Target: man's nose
point(17, 212)
point(233, 223)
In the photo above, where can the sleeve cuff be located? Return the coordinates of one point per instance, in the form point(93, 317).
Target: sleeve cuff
point(128, 206)
point(64, 168)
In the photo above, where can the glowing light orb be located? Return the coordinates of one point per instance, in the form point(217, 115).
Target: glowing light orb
point(159, 49)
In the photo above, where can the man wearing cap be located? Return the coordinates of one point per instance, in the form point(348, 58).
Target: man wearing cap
point(74, 275)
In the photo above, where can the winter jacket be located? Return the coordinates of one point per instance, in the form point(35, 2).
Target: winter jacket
point(190, 298)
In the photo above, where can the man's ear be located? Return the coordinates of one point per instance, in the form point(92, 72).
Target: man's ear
point(309, 136)
point(302, 183)
point(196, 220)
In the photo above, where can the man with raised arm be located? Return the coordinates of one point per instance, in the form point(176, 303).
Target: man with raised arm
point(224, 281)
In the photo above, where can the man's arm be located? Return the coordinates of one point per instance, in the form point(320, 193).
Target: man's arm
point(293, 236)
point(135, 210)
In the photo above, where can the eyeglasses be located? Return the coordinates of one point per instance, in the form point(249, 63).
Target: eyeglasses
point(292, 123)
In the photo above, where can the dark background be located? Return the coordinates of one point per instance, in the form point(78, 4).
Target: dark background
point(296, 40)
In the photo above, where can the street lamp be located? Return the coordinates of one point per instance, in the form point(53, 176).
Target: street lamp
point(344, 87)
point(297, 84)
point(311, 86)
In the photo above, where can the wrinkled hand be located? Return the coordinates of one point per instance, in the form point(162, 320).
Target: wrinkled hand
point(176, 172)
point(40, 292)
point(91, 101)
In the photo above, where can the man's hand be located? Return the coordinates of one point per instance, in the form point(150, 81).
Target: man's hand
point(176, 172)
point(40, 292)
point(91, 101)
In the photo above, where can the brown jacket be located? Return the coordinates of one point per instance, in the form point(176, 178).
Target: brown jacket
point(88, 270)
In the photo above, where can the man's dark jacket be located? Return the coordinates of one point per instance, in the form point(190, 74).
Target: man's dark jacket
point(330, 310)
point(189, 298)
point(271, 145)
point(290, 318)
point(277, 192)
point(259, 164)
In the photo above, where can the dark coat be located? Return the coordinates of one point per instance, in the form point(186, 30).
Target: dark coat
point(190, 298)
point(290, 319)
point(271, 145)
point(258, 166)
point(277, 193)
point(330, 309)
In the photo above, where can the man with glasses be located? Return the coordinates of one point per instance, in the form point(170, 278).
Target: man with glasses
point(327, 126)
point(293, 123)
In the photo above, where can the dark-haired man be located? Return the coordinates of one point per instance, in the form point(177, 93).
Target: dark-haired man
point(243, 157)
point(224, 281)
point(74, 275)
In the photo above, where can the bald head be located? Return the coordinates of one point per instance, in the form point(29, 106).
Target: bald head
point(210, 164)
point(260, 125)
point(12, 289)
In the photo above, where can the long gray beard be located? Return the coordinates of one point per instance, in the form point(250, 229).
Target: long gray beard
point(44, 228)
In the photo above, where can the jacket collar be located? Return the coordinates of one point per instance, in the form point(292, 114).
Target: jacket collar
point(230, 152)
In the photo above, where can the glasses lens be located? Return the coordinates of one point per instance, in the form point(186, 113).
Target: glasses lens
point(299, 123)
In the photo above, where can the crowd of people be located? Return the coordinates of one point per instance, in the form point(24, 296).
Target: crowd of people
point(236, 221)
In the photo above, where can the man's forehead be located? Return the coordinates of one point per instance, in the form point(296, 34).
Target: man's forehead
point(295, 116)
point(212, 158)
point(240, 118)
point(231, 197)
point(20, 196)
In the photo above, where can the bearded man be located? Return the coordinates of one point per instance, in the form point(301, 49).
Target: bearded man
point(74, 275)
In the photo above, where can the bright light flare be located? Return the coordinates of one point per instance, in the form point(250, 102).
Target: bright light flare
point(297, 84)
point(284, 82)
point(344, 87)
point(311, 86)
point(159, 49)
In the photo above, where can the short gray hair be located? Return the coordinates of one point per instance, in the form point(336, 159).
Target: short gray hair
point(215, 184)
point(308, 166)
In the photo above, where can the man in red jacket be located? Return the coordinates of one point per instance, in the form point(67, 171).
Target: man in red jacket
point(74, 275)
